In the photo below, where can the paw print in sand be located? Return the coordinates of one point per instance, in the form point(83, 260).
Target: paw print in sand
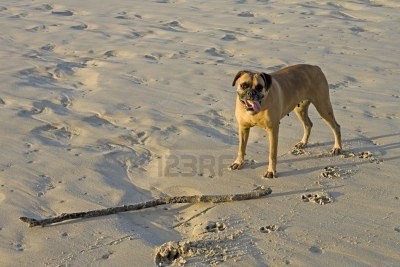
point(215, 227)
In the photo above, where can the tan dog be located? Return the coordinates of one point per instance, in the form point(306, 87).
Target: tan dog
point(264, 99)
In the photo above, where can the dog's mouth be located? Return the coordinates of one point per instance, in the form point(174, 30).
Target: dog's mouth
point(252, 105)
point(251, 100)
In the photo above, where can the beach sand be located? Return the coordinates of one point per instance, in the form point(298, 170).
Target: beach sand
point(110, 103)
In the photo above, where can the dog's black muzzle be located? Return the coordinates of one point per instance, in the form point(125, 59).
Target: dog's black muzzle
point(251, 95)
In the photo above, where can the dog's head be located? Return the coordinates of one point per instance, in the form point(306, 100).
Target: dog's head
point(252, 88)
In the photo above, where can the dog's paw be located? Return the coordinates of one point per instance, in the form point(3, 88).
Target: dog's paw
point(336, 151)
point(236, 166)
point(270, 174)
point(300, 145)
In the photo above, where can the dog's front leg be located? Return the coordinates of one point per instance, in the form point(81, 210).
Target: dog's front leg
point(273, 133)
point(243, 137)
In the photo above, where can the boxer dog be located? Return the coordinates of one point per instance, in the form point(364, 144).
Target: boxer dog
point(264, 99)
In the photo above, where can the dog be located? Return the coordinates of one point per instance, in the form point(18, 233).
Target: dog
point(264, 99)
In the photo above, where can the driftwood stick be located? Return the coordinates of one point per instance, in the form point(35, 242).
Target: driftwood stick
point(257, 193)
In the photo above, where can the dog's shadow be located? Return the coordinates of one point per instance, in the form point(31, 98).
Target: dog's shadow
point(374, 148)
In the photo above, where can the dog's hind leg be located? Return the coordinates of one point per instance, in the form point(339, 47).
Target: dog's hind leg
point(324, 108)
point(302, 113)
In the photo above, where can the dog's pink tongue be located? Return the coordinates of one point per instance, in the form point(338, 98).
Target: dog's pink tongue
point(255, 105)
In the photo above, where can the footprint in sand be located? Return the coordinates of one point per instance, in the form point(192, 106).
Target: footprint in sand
point(298, 151)
point(320, 199)
point(152, 58)
point(19, 247)
point(199, 252)
point(65, 101)
point(137, 80)
point(270, 228)
point(20, 15)
point(44, 185)
point(368, 155)
point(121, 159)
point(48, 47)
point(80, 27)
point(210, 99)
point(229, 37)
point(111, 53)
point(30, 149)
point(99, 120)
point(334, 173)
point(134, 35)
point(64, 69)
point(246, 14)
point(63, 13)
point(55, 134)
point(331, 172)
point(56, 106)
point(174, 26)
point(39, 76)
point(107, 255)
point(315, 250)
point(169, 136)
point(75, 71)
point(215, 227)
point(43, 28)
point(213, 117)
point(348, 81)
point(125, 15)
point(44, 7)
point(169, 253)
point(218, 52)
point(357, 29)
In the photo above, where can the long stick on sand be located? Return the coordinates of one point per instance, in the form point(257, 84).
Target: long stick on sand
point(257, 193)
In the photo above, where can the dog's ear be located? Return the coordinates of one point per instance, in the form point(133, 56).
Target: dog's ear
point(267, 79)
point(240, 73)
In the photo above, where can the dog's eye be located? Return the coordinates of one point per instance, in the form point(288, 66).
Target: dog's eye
point(244, 86)
point(259, 87)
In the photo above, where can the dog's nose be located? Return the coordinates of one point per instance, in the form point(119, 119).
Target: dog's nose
point(250, 94)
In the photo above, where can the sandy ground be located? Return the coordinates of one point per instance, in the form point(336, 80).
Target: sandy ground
point(104, 104)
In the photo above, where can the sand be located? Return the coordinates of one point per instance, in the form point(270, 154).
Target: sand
point(104, 104)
